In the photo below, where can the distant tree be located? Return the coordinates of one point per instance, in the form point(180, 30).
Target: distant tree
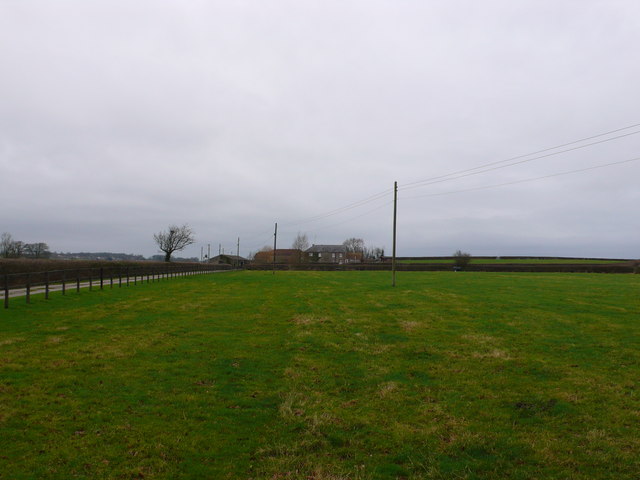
point(461, 259)
point(18, 249)
point(301, 242)
point(174, 239)
point(10, 248)
point(373, 253)
point(37, 250)
point(6, 245)
point(354, 245)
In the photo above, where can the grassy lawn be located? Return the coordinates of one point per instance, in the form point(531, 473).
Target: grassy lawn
point(326, 375)
point(525, 261)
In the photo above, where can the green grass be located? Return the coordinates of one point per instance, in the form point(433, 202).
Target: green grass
point(333, 375)
point(519, 261)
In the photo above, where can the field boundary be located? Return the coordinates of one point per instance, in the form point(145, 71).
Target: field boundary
point(627, 267)
point(32, 283)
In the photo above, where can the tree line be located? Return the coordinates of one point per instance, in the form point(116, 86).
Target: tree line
point(176, 238)
point(10, 248)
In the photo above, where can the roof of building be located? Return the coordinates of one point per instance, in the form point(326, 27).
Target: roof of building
point(326, 249)
point(231, 257)
point(282, 251)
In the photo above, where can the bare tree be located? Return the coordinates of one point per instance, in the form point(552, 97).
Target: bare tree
point(6, 245)
point(18, 249)
point(10, 248)
point(354, 245)
point(174, 239)
point(301, 242)
point(461, 259)
point(373, 253)
point(37, 250)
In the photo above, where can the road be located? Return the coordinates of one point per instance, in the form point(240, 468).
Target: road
point(95, 284)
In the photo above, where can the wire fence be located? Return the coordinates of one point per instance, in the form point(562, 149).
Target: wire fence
point(31, 283)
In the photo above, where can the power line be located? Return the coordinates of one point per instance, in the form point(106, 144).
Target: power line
point(340, 210)
point(484, 187)
point(365, 201)
point(475, 171)
point(368, 212)
point(472, 171)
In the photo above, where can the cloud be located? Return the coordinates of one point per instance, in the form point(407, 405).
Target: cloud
point(120, 118)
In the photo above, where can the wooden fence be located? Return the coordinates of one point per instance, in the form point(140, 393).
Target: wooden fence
point(27, 284)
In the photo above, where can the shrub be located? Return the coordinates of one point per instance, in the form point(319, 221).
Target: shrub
point(461, 259)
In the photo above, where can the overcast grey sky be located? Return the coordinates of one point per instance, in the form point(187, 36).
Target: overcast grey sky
point(118, 118)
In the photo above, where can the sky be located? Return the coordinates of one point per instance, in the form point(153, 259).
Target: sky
point(119, 118)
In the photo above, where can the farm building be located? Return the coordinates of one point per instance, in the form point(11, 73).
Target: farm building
point(233, 260)
point(331, 254)
point(283, 255)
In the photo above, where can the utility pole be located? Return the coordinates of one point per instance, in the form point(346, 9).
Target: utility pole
point(219, 249)
point(201, 253)
point(395, 214)
point(208, 251)
point(238, 251)
point(275, 238)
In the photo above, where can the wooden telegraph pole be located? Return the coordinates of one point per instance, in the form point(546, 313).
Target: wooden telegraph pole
point(275, 238)
point(395, 214)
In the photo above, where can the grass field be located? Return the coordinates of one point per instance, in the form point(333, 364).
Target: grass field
point(517, 261)
point(326, 375)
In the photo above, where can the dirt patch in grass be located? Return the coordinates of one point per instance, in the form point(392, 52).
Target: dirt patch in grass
point(409, 325)
point(495, 353)
point(308, 320)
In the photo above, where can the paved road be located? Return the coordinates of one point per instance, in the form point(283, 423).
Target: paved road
point(95, 284)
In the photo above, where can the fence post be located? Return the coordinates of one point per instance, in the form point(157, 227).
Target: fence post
point(46, 285)
point(64, 286)
point(120, 277)
point(6, 290)
point(77, 281)
point(101, 277)
point(135, 276)
point(90, 279)
point(111, 277)
point(127, 276)
point(28, 288)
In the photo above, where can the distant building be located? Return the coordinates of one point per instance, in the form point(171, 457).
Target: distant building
point(233, 260)
point(283, 255)
point(331, 254)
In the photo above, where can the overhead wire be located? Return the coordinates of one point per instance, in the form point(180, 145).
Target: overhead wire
point(368, 212)
point(474, 171)
point(558, 174)
point(340, 210)
point(521, 159)
point(487, 167)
